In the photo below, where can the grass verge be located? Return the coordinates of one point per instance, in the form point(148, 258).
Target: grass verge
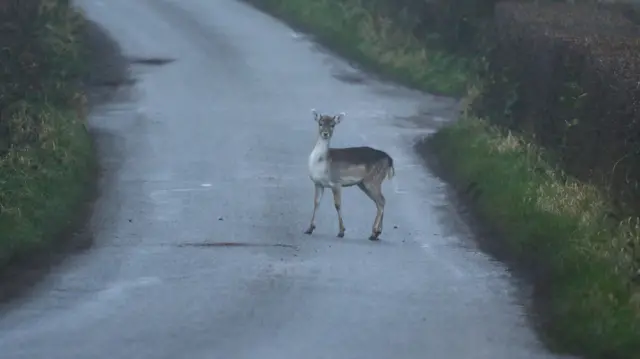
point(42, 186)
point(557, 229)
point(585, 262)
point(46, 159)
point(374, 41)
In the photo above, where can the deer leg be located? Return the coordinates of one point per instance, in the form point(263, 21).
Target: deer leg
point(377, 224)
point(374, 192)
point(319, 190)
point(337, 200)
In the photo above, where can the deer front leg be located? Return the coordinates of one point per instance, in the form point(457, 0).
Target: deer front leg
point(319, 191)
point(337, 200)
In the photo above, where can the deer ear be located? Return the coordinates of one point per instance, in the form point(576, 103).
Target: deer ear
point(339, 117)
point(316, 116)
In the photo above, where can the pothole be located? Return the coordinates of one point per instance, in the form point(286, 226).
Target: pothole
point(236, 244)
point(150, 61)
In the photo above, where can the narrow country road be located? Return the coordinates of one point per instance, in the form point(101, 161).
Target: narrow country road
point(211, 147)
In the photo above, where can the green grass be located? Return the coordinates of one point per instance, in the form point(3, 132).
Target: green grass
point(42, 186)
point(548, 222)
point(558, 226)
point(46, 154)
point(373, 40)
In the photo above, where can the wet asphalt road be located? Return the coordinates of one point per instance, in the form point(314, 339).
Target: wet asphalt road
point(212, 147)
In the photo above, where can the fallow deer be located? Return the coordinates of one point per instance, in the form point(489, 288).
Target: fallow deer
point(335, 168)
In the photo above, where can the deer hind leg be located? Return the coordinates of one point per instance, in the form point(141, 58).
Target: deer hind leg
point(319, 191)
point(337, 200)
point(374, 191)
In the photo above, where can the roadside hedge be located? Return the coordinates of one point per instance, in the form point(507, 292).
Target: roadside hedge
point(565, 77)
point(46, 155)
point(458, 26)
point(568, 76)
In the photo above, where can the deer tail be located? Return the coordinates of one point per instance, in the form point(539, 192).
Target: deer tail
point(391, 171)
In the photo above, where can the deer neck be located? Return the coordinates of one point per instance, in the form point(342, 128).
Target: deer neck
point(319, 154)
point(322, 146)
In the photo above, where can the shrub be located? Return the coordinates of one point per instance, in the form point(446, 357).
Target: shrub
point(567, 75)
point(458, 26)
point(45, 151)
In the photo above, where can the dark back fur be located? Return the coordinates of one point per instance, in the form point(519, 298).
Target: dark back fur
point(359, 155)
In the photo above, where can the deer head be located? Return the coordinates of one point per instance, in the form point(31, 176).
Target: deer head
point(326, 123)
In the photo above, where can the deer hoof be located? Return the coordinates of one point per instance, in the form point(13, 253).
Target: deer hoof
point(375, 236)
point(340, 234)
point(310, 230)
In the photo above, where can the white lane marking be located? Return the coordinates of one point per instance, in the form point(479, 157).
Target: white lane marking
point(206, 185)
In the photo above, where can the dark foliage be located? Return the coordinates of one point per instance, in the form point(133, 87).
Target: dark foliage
point(459, 26)
point(37, 60)
point(568, 75)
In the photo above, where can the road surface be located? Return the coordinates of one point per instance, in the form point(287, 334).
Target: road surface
point(211, 147)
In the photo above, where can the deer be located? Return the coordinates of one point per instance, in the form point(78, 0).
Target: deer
point(336, 168)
